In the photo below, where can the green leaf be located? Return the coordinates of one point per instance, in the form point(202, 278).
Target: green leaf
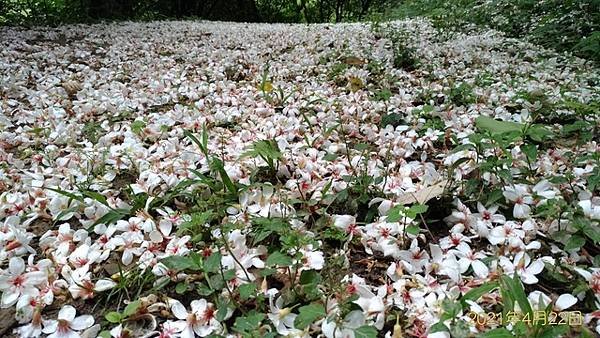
point(308, 314)
point(137, 126)
point(110, 217)
point(131, 308)
point(497, 333)
point(395, 214)
point(460, 328)
point(113, 317)
point(575, 242)
point(248, 323)
point(554, 331)
point(330, 157)
point(196, 141)
point(181, 288)
point(279, 259)
point(95, 196)
point(419, 208)
point(217, 165)
point(476, 293)
point(590, 231)
point(222, 310)
point(413, 230)
point(365, 331)
point(267, 272)
point(451, 309)
point(67, 194)
point(229, 274)
point(203, 290)
point(104, 334)
point(530, 151)
point(178, 263)
point(310, 277)
point(539, 133)
point(247, 291)
point(213, 262)
point(514, 287)
point(361, 146)
point(438, 327)
point(495, 126)
point(494, 196)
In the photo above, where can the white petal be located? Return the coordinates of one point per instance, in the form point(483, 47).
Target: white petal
point(9, 298)
point(36, 277)
point(565, 301)
point(16, 266)
point(536, 267)
point(67, 313)
point(104, 284)
point(480, 269)
point(521, 211)
point(50, 326)
point(82, 322)
point(178, 310)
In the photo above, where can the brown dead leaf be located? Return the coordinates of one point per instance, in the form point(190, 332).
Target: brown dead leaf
point(353, 61)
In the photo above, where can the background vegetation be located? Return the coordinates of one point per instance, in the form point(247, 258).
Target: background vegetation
point(29, 12)
point(564, 25)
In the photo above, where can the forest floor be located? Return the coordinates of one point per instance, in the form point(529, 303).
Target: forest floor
point(181, 179)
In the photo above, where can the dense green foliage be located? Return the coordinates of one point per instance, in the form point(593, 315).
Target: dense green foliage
point(52, 12)
point(564, 25)
point(570, 25)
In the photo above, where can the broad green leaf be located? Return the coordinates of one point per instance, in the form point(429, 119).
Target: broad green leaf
point(310, 277)
point(213, 262)
point(575, 242)
point(247, 291)
point(203, 290)
point(181, 288)
point(95, 196)
point(495, 126)
point(104, 334)
point(586, 226)
point(539, 133)
point(178, 262)
point(438, 327)
point(248, 323)
point(308, 314)
point(131, 308)
point(413, 229)
point(530, 151)
point(365, 331)
point(113, 317)
point(395, 214)
point(558, 331)
point(419, 208)
point(279, 259)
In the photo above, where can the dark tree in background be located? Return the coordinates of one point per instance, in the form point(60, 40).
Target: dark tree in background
point(53, 12)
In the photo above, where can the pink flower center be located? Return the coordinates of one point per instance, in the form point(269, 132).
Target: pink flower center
point(209, 313)
point(63, 326)
point(487, 215)
point(18, 280)
point(384, 232)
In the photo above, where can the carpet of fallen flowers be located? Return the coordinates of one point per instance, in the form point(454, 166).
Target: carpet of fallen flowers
point(185, 179)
